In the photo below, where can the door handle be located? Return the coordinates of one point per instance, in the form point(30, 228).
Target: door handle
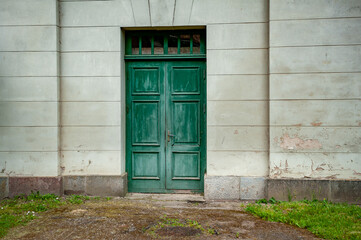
point(170, 135)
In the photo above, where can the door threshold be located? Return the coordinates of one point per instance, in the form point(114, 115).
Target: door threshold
point(194, 197)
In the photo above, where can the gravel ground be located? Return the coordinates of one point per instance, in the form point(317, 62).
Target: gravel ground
point(138, 217)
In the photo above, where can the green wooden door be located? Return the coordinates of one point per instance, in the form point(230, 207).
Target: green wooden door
point(165, 126)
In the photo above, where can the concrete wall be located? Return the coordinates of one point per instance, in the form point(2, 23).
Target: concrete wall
point(283, 93)
point(315, 89)
point(91, 56)
point(29, 139)
point(237, 101)
point(29, 88)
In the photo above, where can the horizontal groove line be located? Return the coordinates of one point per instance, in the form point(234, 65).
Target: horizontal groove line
point(233, 23)
point(90, 150)
point(78, 51)
point(230, 49)
point(305, 19)
point(29, 101)
point(310, 73)
point(308, 126)
point(315, 99)
point(30, 51)
point(30, 76)
point(66, 126)
point(238, 100)
point(251, 151)
point(321, 126)
point(283, 100)
point(69, 101)
point(94, 26)
point(263, 126)
point(313, 152)
point(238, 74)
point(90, 126)
point(22, 151)
point(287, 126)
point(133, 26)
point(305, 46)
point(32, 25)
point(91, 76)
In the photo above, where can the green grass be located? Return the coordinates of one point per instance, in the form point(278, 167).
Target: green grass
point(324, 219)
point(22, 209)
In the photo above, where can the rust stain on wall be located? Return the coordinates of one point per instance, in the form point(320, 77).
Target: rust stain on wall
point(294, 143)
point(316, 124)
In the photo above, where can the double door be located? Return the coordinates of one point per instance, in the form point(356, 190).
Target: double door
point(166, 134)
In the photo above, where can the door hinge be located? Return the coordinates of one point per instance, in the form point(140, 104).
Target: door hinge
point(204, 108)
point(204, 74)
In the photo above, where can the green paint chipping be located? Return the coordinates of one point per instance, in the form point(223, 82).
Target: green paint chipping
point(186, 227)
point(324, 219)
point(22, 209)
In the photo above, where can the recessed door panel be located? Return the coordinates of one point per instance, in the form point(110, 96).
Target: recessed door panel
point(186, 165)
point(146, 120)
point(145, 165)
point(186, 121)
point(146, 81)
point(185, 80)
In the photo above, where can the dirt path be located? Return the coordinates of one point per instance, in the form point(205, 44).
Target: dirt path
point(138, 218)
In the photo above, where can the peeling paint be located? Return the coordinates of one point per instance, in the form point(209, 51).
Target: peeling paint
point(316, 124)
point(356, 173)
point(294, 143)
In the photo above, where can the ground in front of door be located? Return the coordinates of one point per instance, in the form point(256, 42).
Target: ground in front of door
point(154, 217)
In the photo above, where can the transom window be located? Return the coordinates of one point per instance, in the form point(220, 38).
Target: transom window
point(150, 44)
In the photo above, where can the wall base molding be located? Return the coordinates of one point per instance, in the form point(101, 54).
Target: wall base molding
point(86, 185)
point(299, 189)
point(252, 188)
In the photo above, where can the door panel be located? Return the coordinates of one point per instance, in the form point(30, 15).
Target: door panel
point(146, 81)
point(165, 125)
point(184, 165)
point(185, 80)
point(186, 122)
point(145, 126)
point(146, 129)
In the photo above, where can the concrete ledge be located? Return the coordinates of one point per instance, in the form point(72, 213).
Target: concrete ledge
point(298, 189)
point(4, 187)
point(96, 185)
point(252, 188)
point(221, 187)
point(234, 188)
point(24, 185)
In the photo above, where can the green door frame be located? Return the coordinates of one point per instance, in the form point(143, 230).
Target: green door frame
point(166, 59)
